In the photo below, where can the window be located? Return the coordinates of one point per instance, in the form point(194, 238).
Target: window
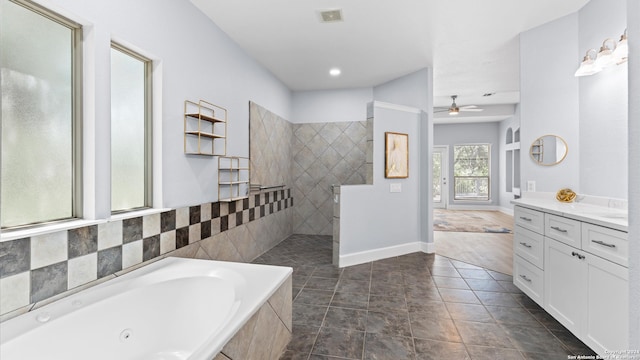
point(471, 169)
point(130, 130)
point(41, 124)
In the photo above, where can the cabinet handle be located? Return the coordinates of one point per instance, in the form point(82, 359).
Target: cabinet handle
point(558, 229)
point(525, 278)
point(525, 245)
point(525, 218)
point(603, 243)
point(580, 256)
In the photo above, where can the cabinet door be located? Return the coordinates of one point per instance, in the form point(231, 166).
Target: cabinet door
point(564, 284)
point(606, 322)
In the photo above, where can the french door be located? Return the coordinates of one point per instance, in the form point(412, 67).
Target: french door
point(440, 175)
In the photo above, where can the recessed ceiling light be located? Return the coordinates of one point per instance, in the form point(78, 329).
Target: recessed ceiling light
point(335, 72)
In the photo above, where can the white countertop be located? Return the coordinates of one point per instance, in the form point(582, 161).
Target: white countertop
point(611, 217)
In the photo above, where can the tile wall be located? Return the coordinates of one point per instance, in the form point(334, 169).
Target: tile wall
point(324, 154)
point(268, 331)
point(270, 138)
point(40, 267)
point(309, 158)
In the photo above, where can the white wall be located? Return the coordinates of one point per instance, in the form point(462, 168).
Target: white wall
point(375, 223)
point(198, 61)
point(408, 90)
point(330, 105)
point(549, 100)
point(603, 105)
point(633, 23)
point(472, 133)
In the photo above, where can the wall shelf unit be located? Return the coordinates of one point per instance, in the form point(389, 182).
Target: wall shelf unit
point(233, 178)
point(205, 129)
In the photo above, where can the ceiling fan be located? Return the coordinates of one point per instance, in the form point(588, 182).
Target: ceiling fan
point(454, 109)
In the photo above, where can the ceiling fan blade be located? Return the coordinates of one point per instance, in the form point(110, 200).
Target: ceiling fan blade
point(469, 107)
point(474, 110)
point(439, 111)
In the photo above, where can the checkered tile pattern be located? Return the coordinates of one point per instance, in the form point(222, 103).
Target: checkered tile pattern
point(39, 267)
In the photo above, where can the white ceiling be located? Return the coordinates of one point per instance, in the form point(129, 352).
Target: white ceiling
point(471, 45)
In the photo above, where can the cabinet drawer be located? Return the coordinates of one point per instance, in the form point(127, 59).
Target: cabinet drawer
point(529, 245)
point(562, 229)
point(607, 243)
point(528, 278)
point(529, 219)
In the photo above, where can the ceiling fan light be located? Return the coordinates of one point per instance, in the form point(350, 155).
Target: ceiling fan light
point(454, 110)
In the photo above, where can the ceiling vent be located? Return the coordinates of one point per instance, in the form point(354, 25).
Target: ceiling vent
point(329, 16)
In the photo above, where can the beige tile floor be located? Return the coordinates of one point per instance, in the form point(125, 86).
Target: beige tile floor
point(491, 251)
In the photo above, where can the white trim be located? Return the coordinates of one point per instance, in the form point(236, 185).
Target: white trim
point(383, 253)
point(506, 210)
point(386, 105)
point(136, 213)
point(8, 235)
point(472, 207)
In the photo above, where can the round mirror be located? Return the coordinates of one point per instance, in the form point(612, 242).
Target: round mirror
point(548, 150)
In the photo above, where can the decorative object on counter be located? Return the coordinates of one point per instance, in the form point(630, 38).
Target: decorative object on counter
point(548, 150)
point(205, 129)
point(396, 155)
point(565, 195)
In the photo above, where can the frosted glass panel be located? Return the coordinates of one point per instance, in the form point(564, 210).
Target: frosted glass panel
point(37, 117)
point(127, 132)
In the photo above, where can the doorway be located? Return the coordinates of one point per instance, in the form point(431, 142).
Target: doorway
point(440, 173)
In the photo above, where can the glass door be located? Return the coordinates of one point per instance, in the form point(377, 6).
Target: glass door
point(439, 178)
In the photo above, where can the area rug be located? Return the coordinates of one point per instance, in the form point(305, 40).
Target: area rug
point(469, 221)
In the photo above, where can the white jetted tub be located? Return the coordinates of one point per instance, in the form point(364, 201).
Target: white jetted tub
point(172, 309)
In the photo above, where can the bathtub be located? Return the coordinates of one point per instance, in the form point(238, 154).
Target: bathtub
point(172, 309)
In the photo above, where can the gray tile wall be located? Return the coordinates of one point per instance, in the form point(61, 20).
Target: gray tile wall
point(270, 139)
point(324, 154)
point(38, 268)
point(268, 331)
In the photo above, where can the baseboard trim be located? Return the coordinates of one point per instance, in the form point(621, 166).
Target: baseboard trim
point(506, 210)
point(472, 207)
point(383, 253)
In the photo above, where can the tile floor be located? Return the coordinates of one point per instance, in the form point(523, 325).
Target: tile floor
point(416, 306)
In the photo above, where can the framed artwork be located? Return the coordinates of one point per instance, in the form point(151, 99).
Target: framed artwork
point(396, 163)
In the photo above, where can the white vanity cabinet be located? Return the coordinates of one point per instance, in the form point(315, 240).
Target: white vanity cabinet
point(528, 252)
point(579, 276)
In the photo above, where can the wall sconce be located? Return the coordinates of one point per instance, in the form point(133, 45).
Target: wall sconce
point(588, 65)
point(621, 52)
point(611, 52)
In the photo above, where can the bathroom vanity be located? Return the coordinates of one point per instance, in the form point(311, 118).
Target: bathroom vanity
point(572, 259)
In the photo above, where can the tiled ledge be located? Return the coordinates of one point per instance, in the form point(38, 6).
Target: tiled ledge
point(34, 269)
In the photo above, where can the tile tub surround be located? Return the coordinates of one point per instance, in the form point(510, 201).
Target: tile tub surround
point(416, 306)
point(267, 333)
point(325, 154)
point(42, 267)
